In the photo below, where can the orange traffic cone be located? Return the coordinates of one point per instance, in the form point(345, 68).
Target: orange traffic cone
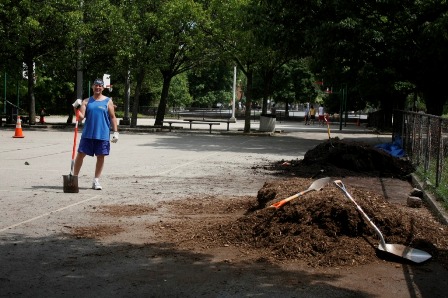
point(42, 117)
point(18, 133)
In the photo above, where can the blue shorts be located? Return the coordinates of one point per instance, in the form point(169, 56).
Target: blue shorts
point(94, 147)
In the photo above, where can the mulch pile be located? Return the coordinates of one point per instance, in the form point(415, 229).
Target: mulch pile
point(324, 228)
point(342, 158)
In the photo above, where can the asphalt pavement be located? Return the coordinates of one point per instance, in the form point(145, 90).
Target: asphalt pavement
point(32, 167)
point(146, 166)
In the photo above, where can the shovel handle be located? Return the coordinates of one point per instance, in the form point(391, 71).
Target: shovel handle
point(341, 186)
point(76, 134)
point(316, 185)
point(279, 204)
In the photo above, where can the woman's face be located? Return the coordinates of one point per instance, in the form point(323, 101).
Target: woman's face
point(97, 89)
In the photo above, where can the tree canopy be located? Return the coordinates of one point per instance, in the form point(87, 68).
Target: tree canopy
point(381, 51)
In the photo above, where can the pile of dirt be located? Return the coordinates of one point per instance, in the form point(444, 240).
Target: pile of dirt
point(344, 158)
point(321, 229)
point(324, 228)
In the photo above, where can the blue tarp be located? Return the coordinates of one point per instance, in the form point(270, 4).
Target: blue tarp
point(395, 148)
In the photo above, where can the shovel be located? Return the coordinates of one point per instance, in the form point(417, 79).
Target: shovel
point(316, 185)
point(402, 251)
point(70, 180)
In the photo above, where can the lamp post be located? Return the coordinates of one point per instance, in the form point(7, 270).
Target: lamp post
point(343, 107)
point(344, 99)
point(234, 94)
point(343, 104)
point(4, 90)
point(79, 62)
point(340, 109)
point(127, 95)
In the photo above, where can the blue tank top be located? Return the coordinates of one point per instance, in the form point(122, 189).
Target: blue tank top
point(97, 120)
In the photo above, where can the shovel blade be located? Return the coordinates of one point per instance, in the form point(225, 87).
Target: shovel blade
point(406, 252)
point(316, 185)
point(70, 183)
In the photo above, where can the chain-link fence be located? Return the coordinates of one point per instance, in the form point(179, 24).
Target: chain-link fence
point(425, 140)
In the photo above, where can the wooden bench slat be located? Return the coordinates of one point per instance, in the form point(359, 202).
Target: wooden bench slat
point(191, 123)
point(228, 121)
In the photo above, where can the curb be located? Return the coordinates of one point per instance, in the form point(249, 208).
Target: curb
point(146, 129)
point(436, 208)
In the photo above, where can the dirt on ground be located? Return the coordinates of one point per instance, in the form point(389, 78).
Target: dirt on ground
point(320, 228)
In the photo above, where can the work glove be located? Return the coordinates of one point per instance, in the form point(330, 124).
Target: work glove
point(77, 103)
point(115, 137)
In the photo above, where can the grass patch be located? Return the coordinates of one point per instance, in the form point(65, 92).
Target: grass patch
point(440, 191)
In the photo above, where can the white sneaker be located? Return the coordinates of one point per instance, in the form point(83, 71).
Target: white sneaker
point(96, 184)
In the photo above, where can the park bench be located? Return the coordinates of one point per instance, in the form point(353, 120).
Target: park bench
point(228, 121)
point(171, 122)
point(12, 119)
point(1, 119)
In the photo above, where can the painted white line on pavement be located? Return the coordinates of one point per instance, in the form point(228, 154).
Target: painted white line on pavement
point(18, 191)
point(32, 169)
point(48, 213)
point(187, 163)
point(94, 197)
point(197, 159)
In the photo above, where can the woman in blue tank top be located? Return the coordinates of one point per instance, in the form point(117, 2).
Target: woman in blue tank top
point(99, 114)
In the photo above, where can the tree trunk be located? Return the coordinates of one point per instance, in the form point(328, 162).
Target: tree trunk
point(435, 100)
point(247, 114)
point(140, 77)
point(267, 80)
point(68, 102)
point(31, 98)
point(387, 107)
point(127, 96)
point(163, 98)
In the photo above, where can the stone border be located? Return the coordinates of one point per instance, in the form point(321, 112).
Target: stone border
point(432, 201)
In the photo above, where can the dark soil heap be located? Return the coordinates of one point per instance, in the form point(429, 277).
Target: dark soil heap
point(321, 228)
point(341, 158)
point(324, 228)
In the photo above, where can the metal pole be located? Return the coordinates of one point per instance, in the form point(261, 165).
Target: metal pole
point(18, 95)
point(127, 96)
point(79, 64)
point(234, 94)
point(340, 108)
point(439, 160)
point(4, 90)
point(79, 75)
point(345, 104)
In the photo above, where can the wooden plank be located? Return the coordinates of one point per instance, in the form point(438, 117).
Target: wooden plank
point(191, 123)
